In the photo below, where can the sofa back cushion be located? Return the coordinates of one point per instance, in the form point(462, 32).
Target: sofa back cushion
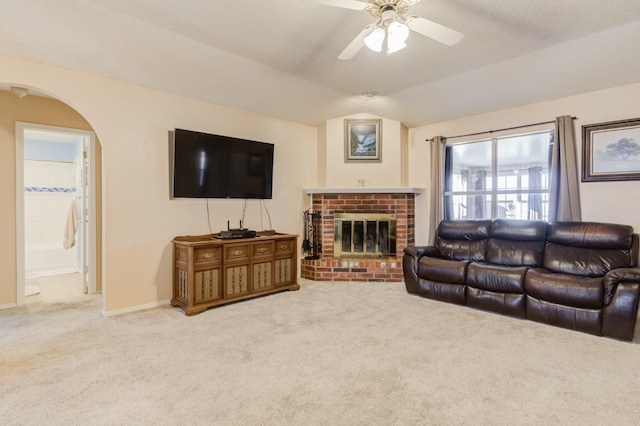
point(589, 249)
point(463, 239)
point(516, 242)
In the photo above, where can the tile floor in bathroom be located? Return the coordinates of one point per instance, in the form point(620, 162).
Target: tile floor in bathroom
point(55, 288)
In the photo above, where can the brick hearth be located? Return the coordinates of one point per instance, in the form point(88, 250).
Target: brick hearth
point(369, 200)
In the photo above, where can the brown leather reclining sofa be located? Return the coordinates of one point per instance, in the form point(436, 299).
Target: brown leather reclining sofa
point(577, 275)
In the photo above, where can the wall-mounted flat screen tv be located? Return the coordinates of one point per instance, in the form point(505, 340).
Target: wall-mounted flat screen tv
point(213, 166)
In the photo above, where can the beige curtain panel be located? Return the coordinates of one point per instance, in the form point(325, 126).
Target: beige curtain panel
point(436, 212)
point(564, 197)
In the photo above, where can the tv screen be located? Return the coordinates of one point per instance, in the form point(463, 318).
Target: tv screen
point(214, 166)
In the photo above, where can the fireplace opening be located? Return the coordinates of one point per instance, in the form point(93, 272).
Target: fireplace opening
point(364, 234)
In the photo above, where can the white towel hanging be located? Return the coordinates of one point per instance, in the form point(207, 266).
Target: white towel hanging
point(71, 226)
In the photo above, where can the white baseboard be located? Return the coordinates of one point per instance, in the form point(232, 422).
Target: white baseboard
point(136, 308)
point(8, 306)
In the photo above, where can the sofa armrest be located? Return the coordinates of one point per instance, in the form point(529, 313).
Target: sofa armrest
point(412, 255)
point(420, 251)
point(619, 317)
point(617, 276)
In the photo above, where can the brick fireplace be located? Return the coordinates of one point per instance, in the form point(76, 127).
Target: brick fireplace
point(378, 219)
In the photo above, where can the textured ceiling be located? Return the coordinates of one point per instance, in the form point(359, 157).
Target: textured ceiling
point(279, 57)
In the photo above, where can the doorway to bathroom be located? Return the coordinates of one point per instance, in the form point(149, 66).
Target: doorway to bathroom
point(55, 213)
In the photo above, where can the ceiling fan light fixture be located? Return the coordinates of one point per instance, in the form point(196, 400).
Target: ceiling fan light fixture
point(390, 33)
point(375, 40)
point(392, 48)
point(397, 34)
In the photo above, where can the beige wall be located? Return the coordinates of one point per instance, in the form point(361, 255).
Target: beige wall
point(600, 201)
point(31, 109)
point(139, 219)
point(338, 174)
point(321, 156)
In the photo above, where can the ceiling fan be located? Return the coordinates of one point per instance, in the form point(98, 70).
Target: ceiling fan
point(392, 29)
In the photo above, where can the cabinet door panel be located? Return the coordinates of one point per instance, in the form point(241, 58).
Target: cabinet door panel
point(284, 271)
point(262, 275)
point(236, 280)
point(207, 285)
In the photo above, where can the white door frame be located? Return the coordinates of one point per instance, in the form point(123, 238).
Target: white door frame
point(20, 234)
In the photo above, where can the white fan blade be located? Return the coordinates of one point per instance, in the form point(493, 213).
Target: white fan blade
point(358, 43)
point(434, 30)
point(346, 4)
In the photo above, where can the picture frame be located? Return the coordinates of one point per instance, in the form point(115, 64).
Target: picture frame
point(611, 151)
point(362, 140)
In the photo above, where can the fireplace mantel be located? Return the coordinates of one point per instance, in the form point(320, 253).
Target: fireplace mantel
point(364, 190)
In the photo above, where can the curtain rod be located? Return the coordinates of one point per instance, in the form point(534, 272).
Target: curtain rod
point(500, 130)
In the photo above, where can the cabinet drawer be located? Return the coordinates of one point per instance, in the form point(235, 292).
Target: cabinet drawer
point(207, 254)
point(262, 249)
point(237, 252)
point(284, 246)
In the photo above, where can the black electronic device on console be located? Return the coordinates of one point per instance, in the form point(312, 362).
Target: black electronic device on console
point(237, 232)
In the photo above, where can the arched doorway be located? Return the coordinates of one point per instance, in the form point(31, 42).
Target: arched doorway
point(43, 219)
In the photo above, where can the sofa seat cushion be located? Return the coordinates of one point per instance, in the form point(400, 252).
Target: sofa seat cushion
point(496, 278)
point(442, 270)
point(564, 289)
point(445, 292)
point(502, 303)
point(580, 319)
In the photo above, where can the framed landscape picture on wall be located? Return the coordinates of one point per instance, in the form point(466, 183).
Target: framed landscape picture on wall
point(611, 151)
point(362, 140)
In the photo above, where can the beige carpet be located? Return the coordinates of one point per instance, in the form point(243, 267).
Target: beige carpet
point(329, 354)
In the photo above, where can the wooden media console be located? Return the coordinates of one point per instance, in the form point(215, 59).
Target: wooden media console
point(210, 271)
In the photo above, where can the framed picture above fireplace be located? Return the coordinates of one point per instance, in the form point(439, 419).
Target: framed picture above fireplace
point(362, 140)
